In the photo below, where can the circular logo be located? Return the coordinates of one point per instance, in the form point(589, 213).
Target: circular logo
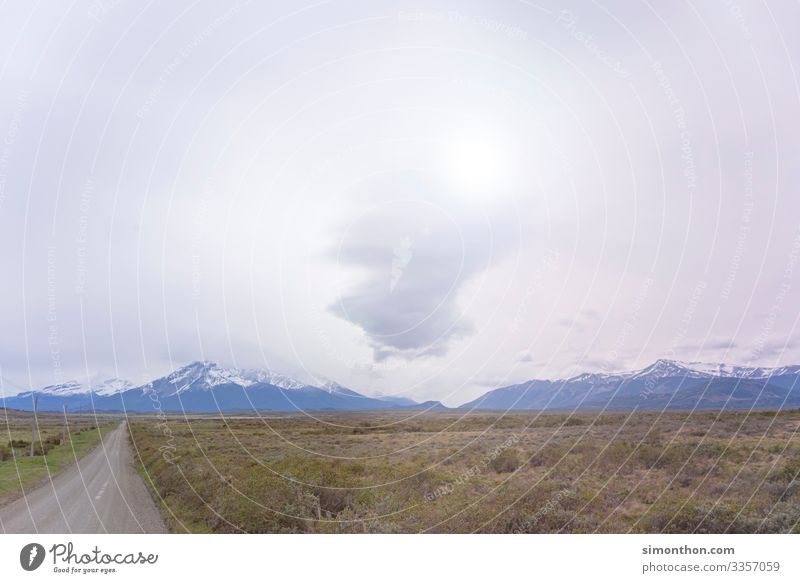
point(31, 556)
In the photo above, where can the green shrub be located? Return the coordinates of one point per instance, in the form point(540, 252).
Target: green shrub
point(791, 471)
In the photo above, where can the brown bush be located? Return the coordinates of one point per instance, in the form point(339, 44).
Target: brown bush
point(5, 453)
point(506, 461)
point(332, 501)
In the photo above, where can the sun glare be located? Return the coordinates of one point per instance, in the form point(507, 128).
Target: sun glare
point(478, 166)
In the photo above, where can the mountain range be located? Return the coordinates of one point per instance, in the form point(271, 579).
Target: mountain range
point(206, 387)
point(665, 384)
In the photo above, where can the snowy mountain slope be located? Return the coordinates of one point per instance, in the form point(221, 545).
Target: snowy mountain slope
point(108, 386)
point(203, 386)
point(665, 384)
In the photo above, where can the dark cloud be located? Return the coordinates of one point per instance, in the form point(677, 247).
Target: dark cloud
point(766, 347)
point(524, 356)
point(411, 258)
point(705, 344)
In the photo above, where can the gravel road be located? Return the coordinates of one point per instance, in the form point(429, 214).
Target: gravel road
point(101, 493)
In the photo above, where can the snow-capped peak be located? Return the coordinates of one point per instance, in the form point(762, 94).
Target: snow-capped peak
point(205, 374)
point(596, 378)
point(109, 386)
point(261, 375)
point(663, 368)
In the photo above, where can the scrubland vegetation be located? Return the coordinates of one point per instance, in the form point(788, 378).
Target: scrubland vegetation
point(448, 472)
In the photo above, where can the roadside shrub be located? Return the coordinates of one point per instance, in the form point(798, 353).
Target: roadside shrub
point(5, 453)
point(42, 448)
point(39, 448)
point(53, 440)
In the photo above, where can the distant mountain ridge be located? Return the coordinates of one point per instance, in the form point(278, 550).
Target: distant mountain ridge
point(203, 387)
point(665, 384)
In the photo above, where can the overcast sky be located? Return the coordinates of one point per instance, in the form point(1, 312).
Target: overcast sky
point(428, 199)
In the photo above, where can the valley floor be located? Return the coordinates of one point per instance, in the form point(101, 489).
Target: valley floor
point(480, 472)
